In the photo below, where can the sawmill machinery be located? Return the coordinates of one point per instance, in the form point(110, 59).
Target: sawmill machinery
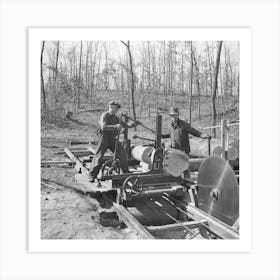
point(156, 193)
point(213, 195)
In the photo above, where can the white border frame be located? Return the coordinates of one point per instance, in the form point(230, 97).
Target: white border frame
point(243, 35)
point(262, 16)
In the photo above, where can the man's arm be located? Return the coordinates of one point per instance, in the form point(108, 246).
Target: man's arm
point(129, 125)
point(166, 135)
point(192, 131)
point(195, 132)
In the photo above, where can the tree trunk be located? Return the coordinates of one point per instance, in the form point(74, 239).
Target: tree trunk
point(149, 80)
point(197, 83)
point(42, 77)
point(191, 82)
point(55, 76)
point(132, 78)
point(214, 113)
point(79, 77)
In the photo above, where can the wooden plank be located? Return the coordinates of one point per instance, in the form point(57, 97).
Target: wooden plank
point(48, 185)
point(221, 229)
point(78, 153)
point(91, 149)
point(191, 224)
point(131, 222)
point(78, 142)
point(56, 162)
point(79, 165)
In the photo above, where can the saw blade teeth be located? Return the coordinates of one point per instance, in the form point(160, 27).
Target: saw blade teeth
point(218, 192)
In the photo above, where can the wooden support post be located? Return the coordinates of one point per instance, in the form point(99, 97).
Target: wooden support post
point(193, 195)
point(158, 130)
point(225, 138)
point(131, 222)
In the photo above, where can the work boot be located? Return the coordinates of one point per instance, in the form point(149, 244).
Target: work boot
point(91, 179)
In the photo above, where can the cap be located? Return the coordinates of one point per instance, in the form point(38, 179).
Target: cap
point(115, 103)
point(173, 111)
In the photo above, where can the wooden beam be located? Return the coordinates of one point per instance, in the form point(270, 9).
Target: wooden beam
point(219, 228)
point(91, 149)
point(131, 222)
point(79, 164)
point(191, 224)
point(48, 185)
point(77, 142)
point(56, 162)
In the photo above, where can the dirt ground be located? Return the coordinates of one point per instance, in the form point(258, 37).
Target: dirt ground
point(66, 213)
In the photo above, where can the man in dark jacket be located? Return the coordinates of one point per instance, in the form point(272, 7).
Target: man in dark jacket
point(110, 127)
point(179, 131)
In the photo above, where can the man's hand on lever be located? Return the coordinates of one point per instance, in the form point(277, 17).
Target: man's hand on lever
point(119, 127)
point(205, 136)
point(136, 123)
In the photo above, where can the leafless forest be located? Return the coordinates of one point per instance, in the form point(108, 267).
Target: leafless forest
point(145, 76)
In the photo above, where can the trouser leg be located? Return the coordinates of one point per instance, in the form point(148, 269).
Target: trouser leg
point(121, 156)
point(97, 160)
point(186, 174)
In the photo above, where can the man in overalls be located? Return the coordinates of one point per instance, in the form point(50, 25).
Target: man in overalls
point(110, 128)
point(179, 131)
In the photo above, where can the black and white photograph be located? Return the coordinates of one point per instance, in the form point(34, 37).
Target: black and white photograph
point(139, 139)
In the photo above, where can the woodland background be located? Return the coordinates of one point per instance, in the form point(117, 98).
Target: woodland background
point(78, 78)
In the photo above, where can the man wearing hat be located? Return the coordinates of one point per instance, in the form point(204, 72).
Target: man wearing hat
point(110, 127)
point(179, 131)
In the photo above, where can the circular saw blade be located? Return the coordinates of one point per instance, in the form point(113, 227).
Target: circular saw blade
point(218, 190)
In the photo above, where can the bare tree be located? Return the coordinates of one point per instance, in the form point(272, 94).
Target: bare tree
point(191, 83)
point(197, 81)
point(55, 76)
point(132, 77)
point(79, 78)
point(42, 76)
point(214, 113)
